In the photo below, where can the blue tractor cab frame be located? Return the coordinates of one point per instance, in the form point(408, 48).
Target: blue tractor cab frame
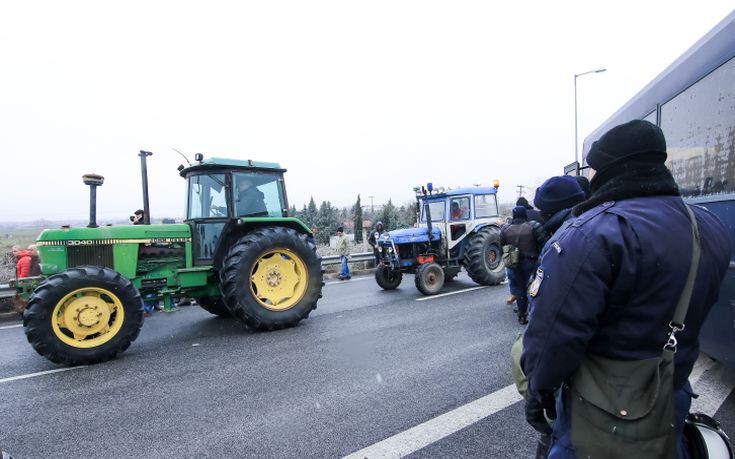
point(456, 228)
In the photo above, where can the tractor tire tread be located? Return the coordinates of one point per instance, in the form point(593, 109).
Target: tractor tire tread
point(37, 316)
point(252, 244)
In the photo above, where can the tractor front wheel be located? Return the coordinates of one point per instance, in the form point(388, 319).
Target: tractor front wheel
point(387, 278)
point(214, 305)
point(83, 315)
point(429, 278)
point(271, 278)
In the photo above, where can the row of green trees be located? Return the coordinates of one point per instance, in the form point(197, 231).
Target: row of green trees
point(326, 218)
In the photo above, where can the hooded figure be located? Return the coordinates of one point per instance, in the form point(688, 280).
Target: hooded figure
point(532, 213)
point(373, 241)
point(525, 236)
point(600, 288)
point(555, 198)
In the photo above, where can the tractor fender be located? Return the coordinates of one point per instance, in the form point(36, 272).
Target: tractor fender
point(236, 227)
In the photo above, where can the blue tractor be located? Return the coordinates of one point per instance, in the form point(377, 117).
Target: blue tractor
point(456, 228)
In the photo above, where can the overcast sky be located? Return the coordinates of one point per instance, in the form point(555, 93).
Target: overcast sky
point(351, 97)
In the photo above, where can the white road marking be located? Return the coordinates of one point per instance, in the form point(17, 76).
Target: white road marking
point(702, 364)
point(713, 388)
point(712, 380)
point(7, 327)
point(426, 298)
point(40, 373)
point(422, 435)
point(345, 282)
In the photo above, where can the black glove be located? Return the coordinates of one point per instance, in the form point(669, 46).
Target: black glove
point(537, 404)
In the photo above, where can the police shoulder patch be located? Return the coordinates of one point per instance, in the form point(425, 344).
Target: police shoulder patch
point(536, 284)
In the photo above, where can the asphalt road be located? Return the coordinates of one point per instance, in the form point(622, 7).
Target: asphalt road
point(367, 367)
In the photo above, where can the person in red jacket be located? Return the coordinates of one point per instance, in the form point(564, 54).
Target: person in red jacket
point(23, 265)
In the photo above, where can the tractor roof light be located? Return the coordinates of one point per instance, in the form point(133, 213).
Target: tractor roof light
point(496, 184)
point(430, 187)
point(198, 157)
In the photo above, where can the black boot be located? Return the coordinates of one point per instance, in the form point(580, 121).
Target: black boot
point(523, 319)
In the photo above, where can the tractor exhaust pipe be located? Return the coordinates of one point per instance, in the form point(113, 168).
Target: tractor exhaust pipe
point(93, 181)
point(144, 172)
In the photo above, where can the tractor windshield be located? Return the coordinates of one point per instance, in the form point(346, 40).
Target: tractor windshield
point(436, 208)
point(258, 194)
point(207, 196)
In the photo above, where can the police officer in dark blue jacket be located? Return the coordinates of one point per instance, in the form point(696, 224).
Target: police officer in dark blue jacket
point(609, 281)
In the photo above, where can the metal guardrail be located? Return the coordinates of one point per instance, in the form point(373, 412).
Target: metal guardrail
point(7, 291)
point(354, 258)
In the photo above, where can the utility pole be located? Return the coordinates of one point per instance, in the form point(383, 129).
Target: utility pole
point(372, 207)
point(520, 190)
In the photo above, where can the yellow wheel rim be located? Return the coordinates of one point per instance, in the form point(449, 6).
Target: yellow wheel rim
point(87, 317)
point(279, 280)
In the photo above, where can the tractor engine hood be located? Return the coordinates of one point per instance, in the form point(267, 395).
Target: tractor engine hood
point(412, 235)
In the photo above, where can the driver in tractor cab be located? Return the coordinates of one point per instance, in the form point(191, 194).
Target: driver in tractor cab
point(456, 211)
point(249, 198)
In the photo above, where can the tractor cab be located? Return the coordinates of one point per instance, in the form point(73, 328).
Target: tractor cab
point(458, 212)
point(220, 191)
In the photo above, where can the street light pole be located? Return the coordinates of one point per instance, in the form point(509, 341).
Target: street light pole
point(576, 142)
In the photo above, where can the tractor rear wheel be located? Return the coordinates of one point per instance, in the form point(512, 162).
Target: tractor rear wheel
point(387, 278)
point(429, 278)
point(214, 305)
point(483, 257)
point(271, 278)
point(84, 315)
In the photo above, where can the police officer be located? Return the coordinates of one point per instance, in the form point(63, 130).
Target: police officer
point(527, 237)
point(555, 198)
point(609, 282)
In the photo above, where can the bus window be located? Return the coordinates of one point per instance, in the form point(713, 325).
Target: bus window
point(700, 134)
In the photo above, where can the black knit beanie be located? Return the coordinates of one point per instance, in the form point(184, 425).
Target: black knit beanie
point(558, 193)
point(520, 213)
point(635, 138)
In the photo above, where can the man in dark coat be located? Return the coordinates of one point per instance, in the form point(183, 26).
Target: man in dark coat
point(533, 214)
point(526, 236)
point(373, 241)
point(555, 198)
point(609, 282)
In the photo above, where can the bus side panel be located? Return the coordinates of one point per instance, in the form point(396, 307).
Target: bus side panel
point(717, 337)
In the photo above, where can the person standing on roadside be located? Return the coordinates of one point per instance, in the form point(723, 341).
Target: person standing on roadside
point(343, 250)
point(22, 262)
point(35, 267)
point(373, 241)
point(522, 234)
point(533, 214)
point(608, 286)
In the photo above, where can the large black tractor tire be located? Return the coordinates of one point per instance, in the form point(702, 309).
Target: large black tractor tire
point(483, 257)
point(214, 305)
point(429, 278)
point(387, 278)
point(271, 278)
point(84, 315)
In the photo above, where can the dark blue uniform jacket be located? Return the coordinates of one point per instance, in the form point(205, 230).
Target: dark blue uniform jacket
point(611, 281)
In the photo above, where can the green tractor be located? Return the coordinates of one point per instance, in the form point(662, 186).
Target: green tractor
point(237, 254)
